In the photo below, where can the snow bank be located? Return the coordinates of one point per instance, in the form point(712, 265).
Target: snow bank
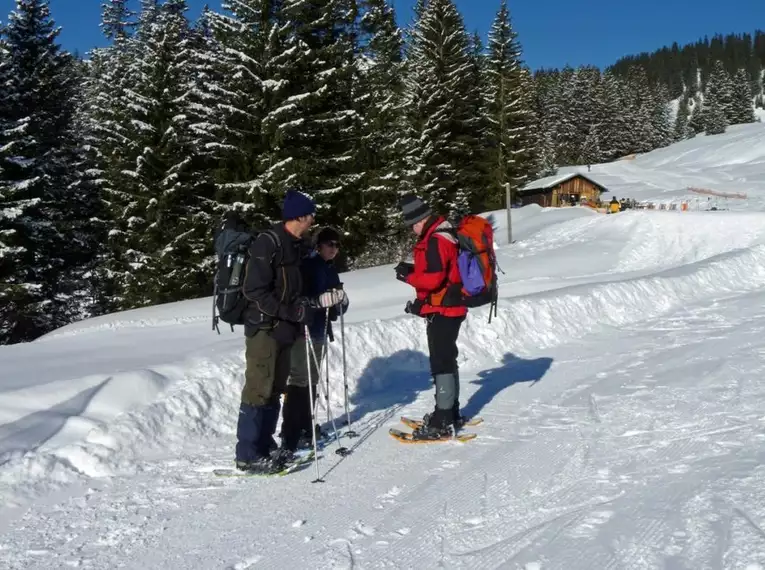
point(96, 437)
point(549, 318)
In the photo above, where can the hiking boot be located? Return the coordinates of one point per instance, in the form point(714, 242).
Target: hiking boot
point(319, 433)
point(281, 458)
point(252, 466)
point(306, 440)
point(459, 419)
point(435, 426)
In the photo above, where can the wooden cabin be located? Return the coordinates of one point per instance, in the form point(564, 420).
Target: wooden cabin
point(561, 190)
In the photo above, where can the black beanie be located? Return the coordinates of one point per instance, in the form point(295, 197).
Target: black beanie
point(414, 210)
point(327, 234)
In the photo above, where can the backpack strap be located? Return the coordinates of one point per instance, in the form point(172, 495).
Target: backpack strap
point(277, 244)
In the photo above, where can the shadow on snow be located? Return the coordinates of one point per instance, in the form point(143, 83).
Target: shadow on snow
point(514, 370)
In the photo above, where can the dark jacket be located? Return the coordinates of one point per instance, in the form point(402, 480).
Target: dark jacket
point(318, 277)
point(436, 276)
point(273, 285)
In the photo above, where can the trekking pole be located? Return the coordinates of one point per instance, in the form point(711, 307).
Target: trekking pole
point(341, 451)
point(350, 432)
point(325, 354)
point(310, 395)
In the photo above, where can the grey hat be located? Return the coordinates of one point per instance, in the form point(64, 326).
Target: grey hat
point(414, 210)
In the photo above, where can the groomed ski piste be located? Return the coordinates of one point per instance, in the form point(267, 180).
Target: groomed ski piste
point(621, 384)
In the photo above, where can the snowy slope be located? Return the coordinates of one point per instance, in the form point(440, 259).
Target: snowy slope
point(732, 162)
point(621, 385)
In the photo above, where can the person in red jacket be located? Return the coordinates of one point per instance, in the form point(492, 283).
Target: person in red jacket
point(436, 280)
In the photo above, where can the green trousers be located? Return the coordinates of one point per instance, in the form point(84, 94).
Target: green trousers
point(267, 369)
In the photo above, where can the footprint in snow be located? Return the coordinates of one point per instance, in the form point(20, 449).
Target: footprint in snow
point(592, 522)
point(677, 543)
point(449, 464)
point(360, 529)
point(395, 491)
point(246, 563)
point(388, 498)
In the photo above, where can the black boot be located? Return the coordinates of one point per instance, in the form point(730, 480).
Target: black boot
point(437, 425)
point(281, 458)
point(293, 418)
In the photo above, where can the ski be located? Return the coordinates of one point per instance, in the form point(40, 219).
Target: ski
point(301, 461)
point(405, 437)
point(414, 424)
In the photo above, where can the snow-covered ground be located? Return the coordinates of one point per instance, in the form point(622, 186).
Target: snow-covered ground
point(621, 384)
point(731, 163)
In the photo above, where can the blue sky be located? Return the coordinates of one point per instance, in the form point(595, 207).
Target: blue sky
point(552, 32)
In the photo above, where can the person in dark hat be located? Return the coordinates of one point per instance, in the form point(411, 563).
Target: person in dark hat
point(320, 277)
point(436, 279)
point(274, 318)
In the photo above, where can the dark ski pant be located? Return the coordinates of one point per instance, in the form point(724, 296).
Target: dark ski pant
point(265, 379)
point(442, 335)
point(298, 406)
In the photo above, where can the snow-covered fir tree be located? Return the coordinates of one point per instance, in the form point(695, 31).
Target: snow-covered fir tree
point(548, 112)
point(88, 279)
point(661, 117)
point(581, 113)
point(440, 98)
point(591, 147)
point(640, 111)
point(612, 120)
point(715, 121)
point(476, 173)
point(379, 92)
point(682, 129)
point(546, 164)
point(157, 244)
point(311, 126)
point(238, 91)
point(719, 100)
point(696, 121)
point(38, 207)
point(117, 19)
point(510, 114)
point(742, 110)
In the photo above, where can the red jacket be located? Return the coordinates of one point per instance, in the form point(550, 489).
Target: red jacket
point(436, 276)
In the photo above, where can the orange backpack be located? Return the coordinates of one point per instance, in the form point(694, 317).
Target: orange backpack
point(477, 262)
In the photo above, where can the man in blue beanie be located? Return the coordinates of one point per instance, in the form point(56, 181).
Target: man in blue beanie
point(274, 320)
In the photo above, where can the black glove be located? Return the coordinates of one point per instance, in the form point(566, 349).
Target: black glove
point(413, 307)
point(403, 270)
point(301, 311)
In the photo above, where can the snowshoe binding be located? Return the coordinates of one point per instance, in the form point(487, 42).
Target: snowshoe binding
point(434, 428)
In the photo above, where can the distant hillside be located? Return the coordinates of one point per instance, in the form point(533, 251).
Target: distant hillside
point(681, 68)
point(647, 101)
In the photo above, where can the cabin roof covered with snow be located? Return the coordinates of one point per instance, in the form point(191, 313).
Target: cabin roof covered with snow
point(550, 182)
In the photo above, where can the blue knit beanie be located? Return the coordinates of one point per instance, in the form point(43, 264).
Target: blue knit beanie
point(296, 204)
